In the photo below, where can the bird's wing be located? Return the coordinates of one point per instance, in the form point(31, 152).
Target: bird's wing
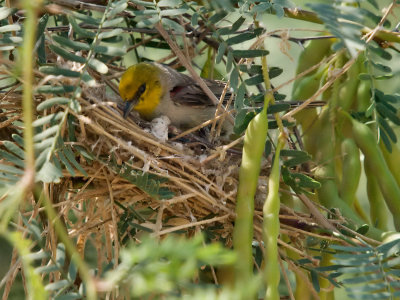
point(186, 91)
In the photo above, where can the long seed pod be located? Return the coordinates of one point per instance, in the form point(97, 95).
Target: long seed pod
point(378, 209)
point(366, 141)
point(325, 173)
point(348, 89)
point(271, 228)
point(253, 148)
point(351, 171)
point(392, 159)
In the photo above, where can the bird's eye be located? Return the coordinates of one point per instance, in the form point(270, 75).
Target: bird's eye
point(142, 88)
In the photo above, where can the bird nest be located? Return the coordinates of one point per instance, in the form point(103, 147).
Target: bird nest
point(128, 182)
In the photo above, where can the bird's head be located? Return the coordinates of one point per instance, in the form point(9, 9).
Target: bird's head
point(141, 88)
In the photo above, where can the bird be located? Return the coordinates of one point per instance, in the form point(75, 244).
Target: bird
point(155, 90)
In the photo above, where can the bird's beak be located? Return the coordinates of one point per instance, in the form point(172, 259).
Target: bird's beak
point(130, 104)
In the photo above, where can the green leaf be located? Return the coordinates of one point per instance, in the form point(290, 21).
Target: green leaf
point(74, 45)
point(229, 62)
point(41, 254)
point(363, 278)
point(72, 271)
point(54, 70)
point(46, 133)
point(236, 25)
point(258, 79)
point(80, 31)
point(240, 96)
point(380, 67)
point(242, 120)
point(274, 72)
point(49, 89)
point(240, 38)
point(249, 53)
point(51, 102)
point(173, 25)
point(383, 77)
point(278, 107)
point(113, 22)
point(220, 52)
point(58, 285)
point(172, 12)
point(111, 33)
point(116, 8)
point(218, 17)
point(304, 181)
point(169, 3)
point(67, 55)
point(278, 10)
point(66, 162)
point(5, 12)
point(71, 157)
point(13, 148)
point(44, 144)
point(387, 128)
point(110, 50)
point(194, 21)
point(261, 8)
point(97, 65)
point(386, 112)
point(11, 40)
point(10, 169)
point(69, 296)
point(364, 76)
point(60, 254)
point(351, 248)
point(86, 18)
point(6, 48)
point(47, 119)
point(373, 3)
point(380, 52)
point(314, 280)
point(143, 3)
point(12, 158)
point(8, 28)
point(293, 153)
point(234, 79)
point(46, 269)
point(49, 173)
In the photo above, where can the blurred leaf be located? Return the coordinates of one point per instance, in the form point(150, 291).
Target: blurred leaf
point(5, 12)
point(111, 33)
point(172, 25)
point(7, 28)
point(116, 8)
point(169, 3)
point(49, 173)
point(249, 53)
point(51, 102)
point(53, 70)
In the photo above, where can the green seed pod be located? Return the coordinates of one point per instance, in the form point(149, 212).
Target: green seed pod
point(271, 228)
point(378, 209)
point(392, 159)
point(253, 148)
point(363, 95)
point(348, 89)
point(306, 86)
point(313, 53)
point(366, 141)
point(351, 171)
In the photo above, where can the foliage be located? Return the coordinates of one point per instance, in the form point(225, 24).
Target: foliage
point(82, 48)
